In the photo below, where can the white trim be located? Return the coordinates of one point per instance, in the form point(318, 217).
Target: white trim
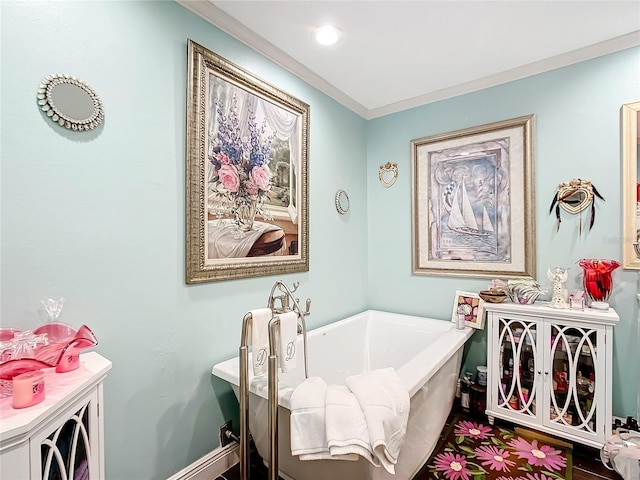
point(210, 466)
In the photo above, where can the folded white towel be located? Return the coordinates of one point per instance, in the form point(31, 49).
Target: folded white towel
point(307, 417)
point(288, 341)
point(260, 339)
point(385, 402)
point(307, 425)
point(346, 427)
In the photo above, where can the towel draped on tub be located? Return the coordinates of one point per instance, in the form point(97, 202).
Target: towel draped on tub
point(366, 418)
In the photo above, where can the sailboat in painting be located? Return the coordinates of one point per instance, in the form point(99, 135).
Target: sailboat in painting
point(463, 220)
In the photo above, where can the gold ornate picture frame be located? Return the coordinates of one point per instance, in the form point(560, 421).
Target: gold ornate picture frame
point(246, 174)
point(630, 133)
point(473, 206)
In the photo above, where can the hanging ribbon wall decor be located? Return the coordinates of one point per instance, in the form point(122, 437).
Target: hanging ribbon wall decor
point(575, 197)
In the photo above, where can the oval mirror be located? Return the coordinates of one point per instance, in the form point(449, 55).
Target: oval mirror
point(342, 202)
point(70, 102)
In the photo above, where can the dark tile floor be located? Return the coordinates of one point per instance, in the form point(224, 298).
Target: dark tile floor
point(586, 465)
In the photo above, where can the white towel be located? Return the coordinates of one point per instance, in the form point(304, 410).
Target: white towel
point(307, 425)
point(385, 402)
point(260, 339)
point(346, 427)
point(288, 341)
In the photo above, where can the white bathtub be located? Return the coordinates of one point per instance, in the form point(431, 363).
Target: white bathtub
point(426, 354)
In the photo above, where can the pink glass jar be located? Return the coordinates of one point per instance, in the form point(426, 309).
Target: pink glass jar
point(597, 280)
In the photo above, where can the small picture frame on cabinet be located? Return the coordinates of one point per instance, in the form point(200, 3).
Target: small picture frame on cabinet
point(471, 306)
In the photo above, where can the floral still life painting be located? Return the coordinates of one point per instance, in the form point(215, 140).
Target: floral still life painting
point(239, 173)
point(247, 158)
point(474, 451)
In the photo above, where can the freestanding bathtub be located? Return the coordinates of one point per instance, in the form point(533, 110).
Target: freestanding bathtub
point(426, 354)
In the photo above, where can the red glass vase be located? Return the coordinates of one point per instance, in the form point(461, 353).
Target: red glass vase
point(597, 280)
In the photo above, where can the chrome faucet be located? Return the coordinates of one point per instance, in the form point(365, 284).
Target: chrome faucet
point(285, 298)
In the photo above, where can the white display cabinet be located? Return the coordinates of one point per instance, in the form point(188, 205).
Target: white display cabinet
point(550, 369)
point(61, 437)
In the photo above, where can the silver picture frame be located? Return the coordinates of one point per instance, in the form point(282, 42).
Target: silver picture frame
point(473, 205)
point(246, 174)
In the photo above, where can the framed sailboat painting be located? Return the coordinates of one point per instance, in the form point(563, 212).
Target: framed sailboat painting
point(473, 206)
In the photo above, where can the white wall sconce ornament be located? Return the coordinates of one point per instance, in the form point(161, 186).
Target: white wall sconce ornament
point(388, 174)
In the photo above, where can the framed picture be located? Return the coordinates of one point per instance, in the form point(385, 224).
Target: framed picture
point(247, 174)
point(473, 206)
point(471, 306)
point(630, 180)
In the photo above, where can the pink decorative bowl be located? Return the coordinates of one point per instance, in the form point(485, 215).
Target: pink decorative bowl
point(65, 345)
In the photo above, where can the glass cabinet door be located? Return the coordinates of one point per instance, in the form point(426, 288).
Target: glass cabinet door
point(519, 366)
point(65, 452)
point(573, 378)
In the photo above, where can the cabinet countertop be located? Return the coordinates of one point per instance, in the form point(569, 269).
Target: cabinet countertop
point(60, 389)
point(541, 309)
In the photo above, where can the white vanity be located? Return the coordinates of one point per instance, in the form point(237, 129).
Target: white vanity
point(64, 432)
point(550, 369)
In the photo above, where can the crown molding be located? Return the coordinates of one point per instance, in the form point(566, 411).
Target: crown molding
point(623, 42)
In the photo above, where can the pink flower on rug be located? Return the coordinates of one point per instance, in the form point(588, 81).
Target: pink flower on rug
point(539, 456)
point(495, 458)
point(537, 476)
point(453, 465)
point(473, 430)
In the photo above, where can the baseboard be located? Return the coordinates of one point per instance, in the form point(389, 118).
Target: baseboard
point(210, 466)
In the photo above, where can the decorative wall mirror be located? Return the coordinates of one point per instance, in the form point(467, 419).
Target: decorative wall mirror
point(342, 202)
point(630, 185)
point(388, 174)
point(70, 102)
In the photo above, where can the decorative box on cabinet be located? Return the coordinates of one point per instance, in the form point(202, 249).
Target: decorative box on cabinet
point(65, 431)
point(550, 369)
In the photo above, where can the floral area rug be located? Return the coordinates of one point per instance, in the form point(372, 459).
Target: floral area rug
point(473, 451)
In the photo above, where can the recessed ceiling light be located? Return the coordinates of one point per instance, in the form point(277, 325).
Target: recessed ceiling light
point(327, 34)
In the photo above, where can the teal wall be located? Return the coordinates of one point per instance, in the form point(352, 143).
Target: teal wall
point(98, 217)
point(577, 135)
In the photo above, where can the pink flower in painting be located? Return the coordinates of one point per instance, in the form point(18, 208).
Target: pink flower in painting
point(495, 458)
point(538, 455)
point(453, 465)
point(229, 177)
point(473, 430)
point(224, 160)
point(260, 176)
point(252, 188)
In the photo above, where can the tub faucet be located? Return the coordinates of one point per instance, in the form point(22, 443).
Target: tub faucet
point(287, 302)
point(284, 303)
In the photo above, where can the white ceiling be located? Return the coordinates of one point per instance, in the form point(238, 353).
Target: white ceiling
point(396, 55)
